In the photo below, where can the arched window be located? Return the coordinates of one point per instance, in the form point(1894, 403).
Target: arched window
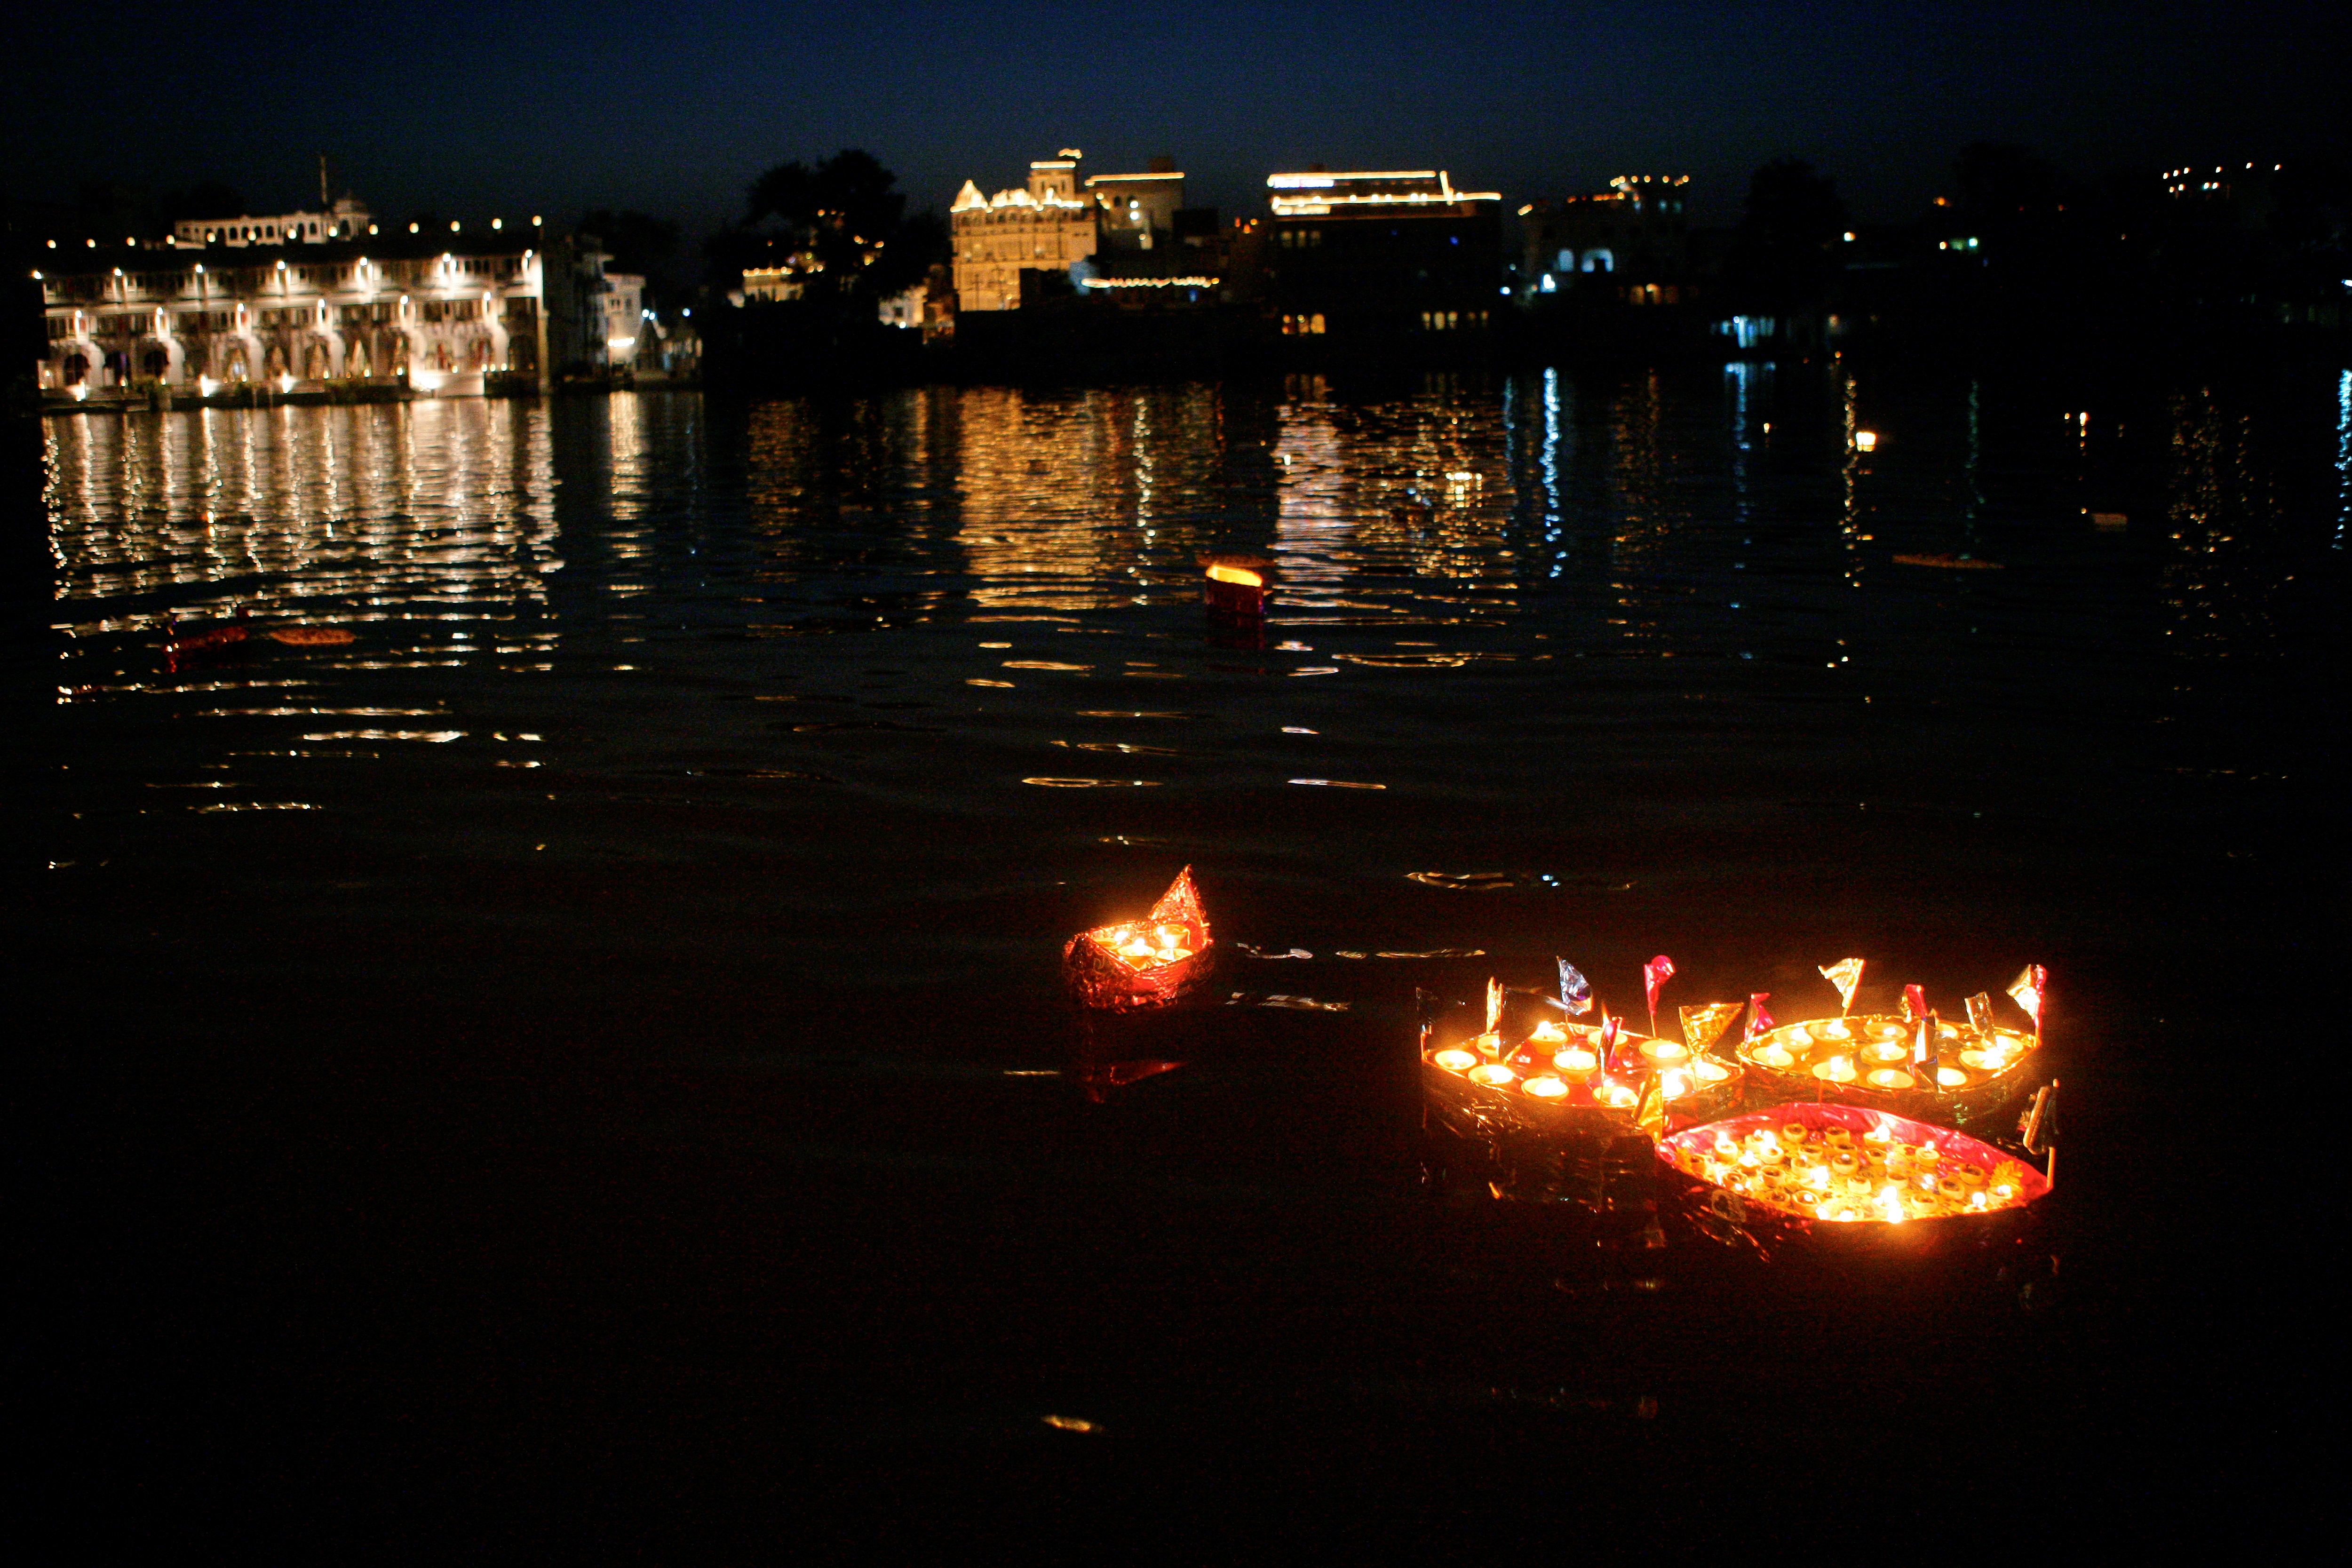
point(1564, 262)
point(1600, 261)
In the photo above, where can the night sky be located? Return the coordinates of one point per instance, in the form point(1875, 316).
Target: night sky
point(476, 109)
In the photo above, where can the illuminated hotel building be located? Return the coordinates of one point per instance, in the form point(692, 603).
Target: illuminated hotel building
point(317, 302)
point(1061, 227)
point(1380, 254)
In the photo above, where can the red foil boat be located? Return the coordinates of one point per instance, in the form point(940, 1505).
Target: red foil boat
point(1148, 962)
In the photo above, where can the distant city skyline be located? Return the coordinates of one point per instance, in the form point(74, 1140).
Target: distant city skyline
point(538, 108)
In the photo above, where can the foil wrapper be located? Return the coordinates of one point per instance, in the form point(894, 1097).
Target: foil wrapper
point(2027, 988)
point(1846, 975)
point(1575, 990)
point(1654, 976)
point(1100, 969)
point(1702, 1026)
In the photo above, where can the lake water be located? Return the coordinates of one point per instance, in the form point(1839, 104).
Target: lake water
point(603, 1018)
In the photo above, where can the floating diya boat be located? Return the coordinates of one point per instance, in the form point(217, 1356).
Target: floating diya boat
point(1147, 962)
point(1562, 1074)
point(1810, 1168)
point(1918, 1066)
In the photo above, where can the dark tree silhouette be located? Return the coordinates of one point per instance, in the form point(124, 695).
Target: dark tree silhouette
point(638, 244)
point(1788, 234)
point(841, 224)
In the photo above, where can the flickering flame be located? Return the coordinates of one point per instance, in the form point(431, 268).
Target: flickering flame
point(1674, 1085)
point(1545, 1088)
point(1548, 1033)
point(1241, 574)
point(1455, 1060)
point(1776, 1057)
point(1709, 1071)
point(1493, 1075)
point(1576, 1058)
point(1664, 1050)
point(1836, 1029)
point(1837, 1069)
point(1950, 1078)
point(1615, 1094)
point(1889, 1078)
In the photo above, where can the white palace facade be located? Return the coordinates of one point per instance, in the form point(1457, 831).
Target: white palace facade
point(314, 302)
point(1054, 224)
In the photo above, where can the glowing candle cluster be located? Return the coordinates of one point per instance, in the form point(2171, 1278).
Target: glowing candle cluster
point(1890, 1171)
point(1143, 943)
point(1888, 1054)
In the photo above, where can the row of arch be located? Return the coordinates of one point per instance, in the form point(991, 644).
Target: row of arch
point(385, 351)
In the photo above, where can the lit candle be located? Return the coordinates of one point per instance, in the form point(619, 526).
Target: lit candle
point(1548, 1033)
point(1799, 1035)
point(1662, 1051)
point(1575, 1058)
point(1455, 1060)
point(1886, 1051)
point(1616, 1095)
point(1493, 1075)
point(1775, 1056)
point(1889, 1078)
point(1674, 1085)
point(1545, 1088)
point(1837, 1069)
point(1950, 1078)
point(1836, 1029)
point(1708, 1070)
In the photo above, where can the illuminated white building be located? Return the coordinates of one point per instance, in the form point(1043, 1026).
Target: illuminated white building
point(450, 313)
point(345, 219)
point(1054, 224)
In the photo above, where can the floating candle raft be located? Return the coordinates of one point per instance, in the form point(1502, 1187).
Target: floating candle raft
point(1560, 1074)
point(1147, 962)
point(1847, 1165)
point(1958, 1072)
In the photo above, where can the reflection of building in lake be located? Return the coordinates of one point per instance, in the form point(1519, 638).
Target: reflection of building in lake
point(440, 312)
point(1073, 503)
point(1381, 255)
point(425, 512)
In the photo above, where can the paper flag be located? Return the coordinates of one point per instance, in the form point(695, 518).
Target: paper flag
point(1654, 974)
point(1702, 1026)
point(1914, 1003)
point(1575, 990)
point(1493, 1004)
point(1981, 1012)
point(1845, 974)
point(2027, 989)
point(1759, 1022)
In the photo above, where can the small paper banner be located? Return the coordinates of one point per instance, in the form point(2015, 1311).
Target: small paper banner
point(1654, 974)
point(2027, 990)
point(1702, 1026)
point(1845, 974)
point(1575, 990)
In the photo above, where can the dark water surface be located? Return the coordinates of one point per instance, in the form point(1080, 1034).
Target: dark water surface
point(585, 1055)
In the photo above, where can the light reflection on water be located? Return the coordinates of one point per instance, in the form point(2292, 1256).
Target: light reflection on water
point(1010, 575)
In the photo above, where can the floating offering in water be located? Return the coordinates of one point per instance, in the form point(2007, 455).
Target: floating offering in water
point(1145, 962)
point(1846, 1165)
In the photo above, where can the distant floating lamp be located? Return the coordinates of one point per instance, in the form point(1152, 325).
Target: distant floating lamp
point(1234, 587)
point(1866, 440)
